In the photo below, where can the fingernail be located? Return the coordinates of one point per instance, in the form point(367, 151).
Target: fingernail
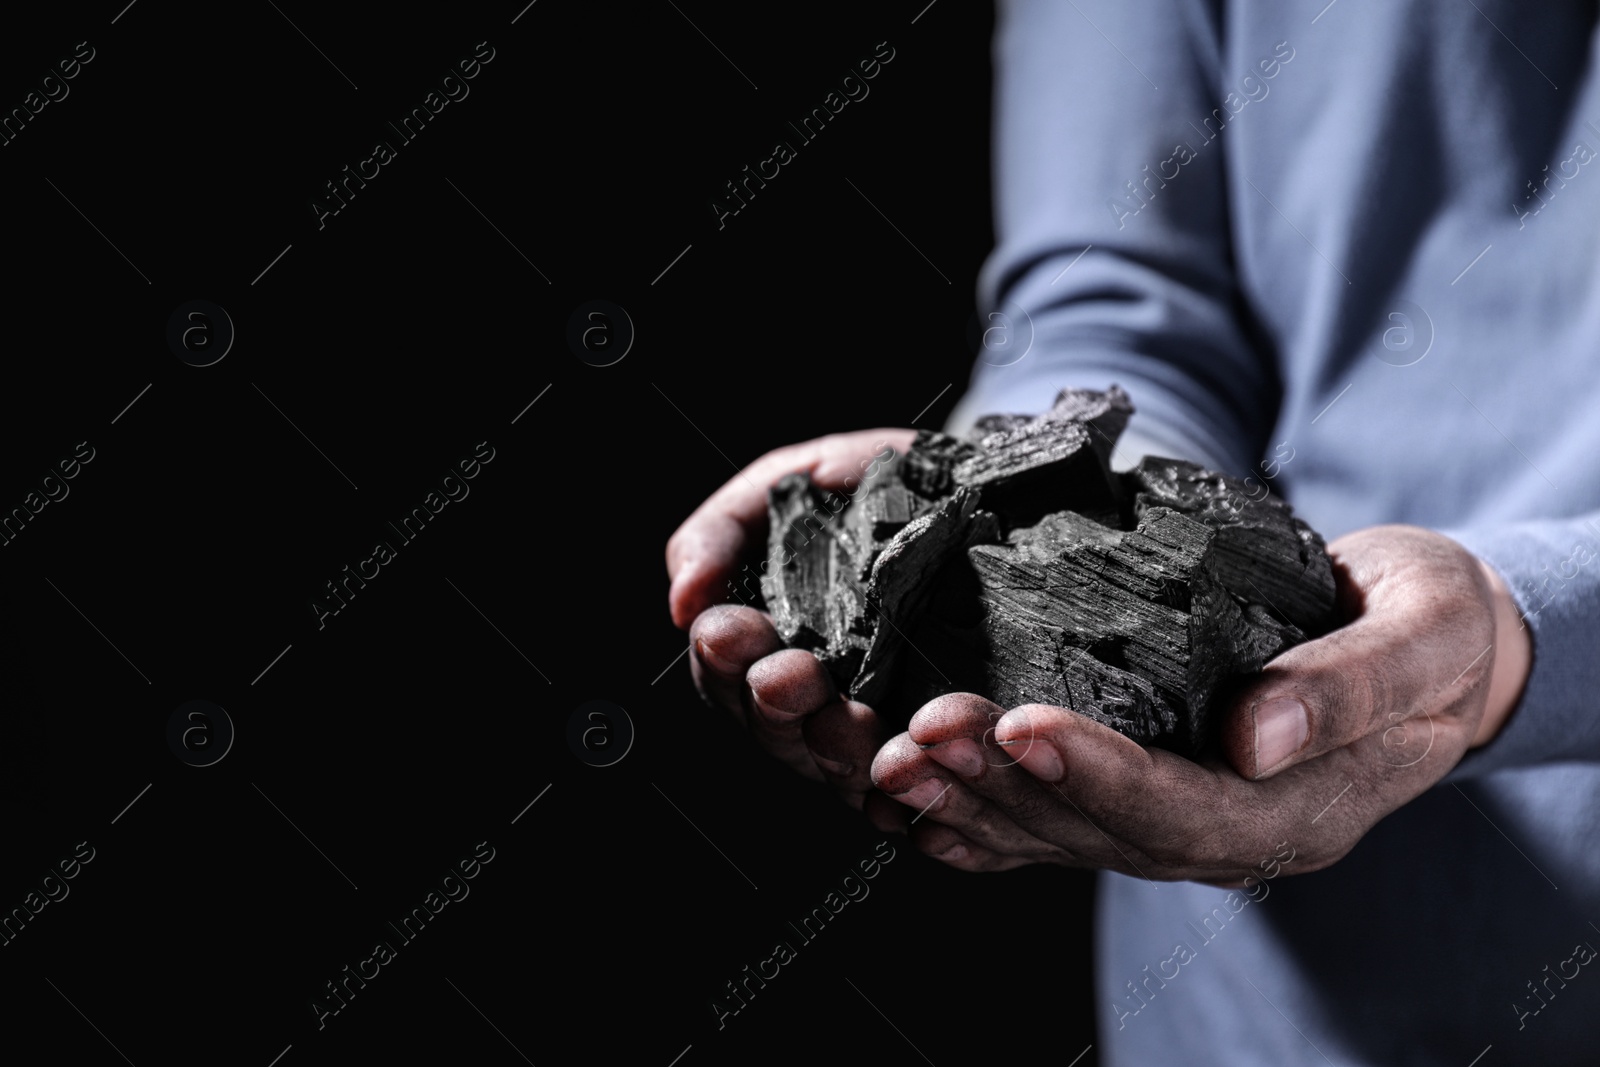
point(1282, 727)
point(924, 796)
point(961, 755)
point(954, 853)
point(832, 766)
point(1041, 760)
point(716, 661)
point(776, 714)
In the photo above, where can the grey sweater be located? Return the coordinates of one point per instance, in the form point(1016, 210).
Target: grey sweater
point(1353, 252)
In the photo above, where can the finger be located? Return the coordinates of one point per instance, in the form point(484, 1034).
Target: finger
point(954, 849)
point(703, 554)
point(708, 548)
point(842, 738)
point(782, 690)
point(1423, 641)
point(905, 774)
point(957, 731)
point(1165, 817)
point(952, 729)
point(885, 814)
point(1145, 812)
point(723, 644)
point(904, 771)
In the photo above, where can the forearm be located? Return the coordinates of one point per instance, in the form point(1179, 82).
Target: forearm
point(1089, 293)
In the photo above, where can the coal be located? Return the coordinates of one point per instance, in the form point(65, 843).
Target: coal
point(1264, 553)
point(1015, 564)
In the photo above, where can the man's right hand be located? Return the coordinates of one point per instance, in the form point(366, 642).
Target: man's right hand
point(785, 697)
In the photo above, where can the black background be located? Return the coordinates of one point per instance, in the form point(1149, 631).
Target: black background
point(380, 748)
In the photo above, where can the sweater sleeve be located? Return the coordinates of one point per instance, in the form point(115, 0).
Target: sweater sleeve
point(1113, 259)
point(1553, 570)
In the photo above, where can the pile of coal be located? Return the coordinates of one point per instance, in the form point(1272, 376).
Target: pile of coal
point(1014, 563)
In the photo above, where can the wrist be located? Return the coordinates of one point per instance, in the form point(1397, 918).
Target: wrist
point(1513, 659)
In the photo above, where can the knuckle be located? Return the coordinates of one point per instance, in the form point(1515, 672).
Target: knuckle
point(1031, 807)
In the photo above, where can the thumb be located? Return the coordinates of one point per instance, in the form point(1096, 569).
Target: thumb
point(1423, 641)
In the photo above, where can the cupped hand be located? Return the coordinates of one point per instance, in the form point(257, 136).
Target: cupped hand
point(1329, 738)
point(785, 697)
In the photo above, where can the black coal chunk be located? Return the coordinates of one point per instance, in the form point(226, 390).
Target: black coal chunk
point(1017, 565)
point(1264, 554)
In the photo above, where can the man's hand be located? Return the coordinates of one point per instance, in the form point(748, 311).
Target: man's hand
point(1332, 736)
point(784, 696)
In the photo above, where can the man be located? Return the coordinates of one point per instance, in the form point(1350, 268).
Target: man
point(1346, 250)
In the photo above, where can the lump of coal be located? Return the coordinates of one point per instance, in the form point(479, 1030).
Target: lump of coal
point(1017, 565)
point(1253, 538)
